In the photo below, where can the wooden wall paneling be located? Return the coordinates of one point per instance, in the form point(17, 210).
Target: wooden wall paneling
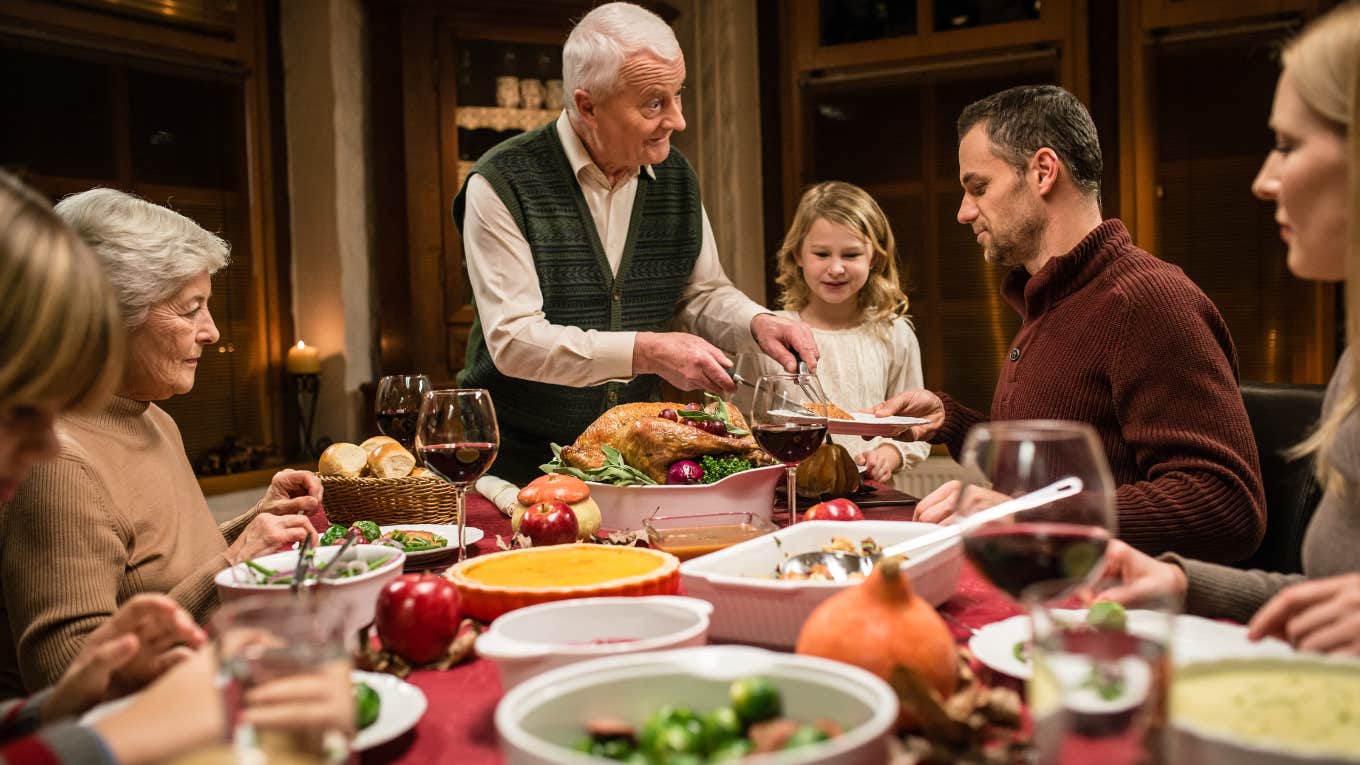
point(424, 190)
point(1076, 53)
point(1137, 130)
point(68, 25)
point(929, 335)
point(458, 310)
point(1160, 14)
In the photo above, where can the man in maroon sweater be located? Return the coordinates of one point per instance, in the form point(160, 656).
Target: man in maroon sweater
point(1110, 335)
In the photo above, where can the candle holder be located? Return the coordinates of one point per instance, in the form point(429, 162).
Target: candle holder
point(308, 387)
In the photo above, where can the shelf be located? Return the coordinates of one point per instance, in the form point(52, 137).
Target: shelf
point(498, 118)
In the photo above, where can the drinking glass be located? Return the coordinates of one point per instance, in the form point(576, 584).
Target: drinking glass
point(397, 406)
point(261, 639)
point(1100, 691)
point(457, 437)
point(1051, 550)
point(785, 426)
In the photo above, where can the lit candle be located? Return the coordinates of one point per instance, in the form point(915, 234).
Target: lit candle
point(303, 359)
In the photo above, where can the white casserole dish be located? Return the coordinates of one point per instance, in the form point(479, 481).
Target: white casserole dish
point(624, 508)
point(751, 606)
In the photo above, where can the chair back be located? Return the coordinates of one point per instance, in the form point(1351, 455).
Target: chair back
point(1282, 415)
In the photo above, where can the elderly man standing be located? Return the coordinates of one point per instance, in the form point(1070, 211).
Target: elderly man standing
point(585, 239)
point(1110, 335)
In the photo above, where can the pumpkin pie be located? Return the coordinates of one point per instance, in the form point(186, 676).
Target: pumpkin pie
point(491, 585)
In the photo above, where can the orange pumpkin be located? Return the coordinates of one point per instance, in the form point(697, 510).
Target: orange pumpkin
point(879, 624)
point(563, 488)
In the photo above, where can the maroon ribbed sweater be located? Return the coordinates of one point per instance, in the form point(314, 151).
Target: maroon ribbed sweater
point(1112, 336)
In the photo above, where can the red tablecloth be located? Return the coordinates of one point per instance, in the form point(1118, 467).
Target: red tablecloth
point(459, 727)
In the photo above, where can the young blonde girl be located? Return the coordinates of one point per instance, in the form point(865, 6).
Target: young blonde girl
point(838, 271)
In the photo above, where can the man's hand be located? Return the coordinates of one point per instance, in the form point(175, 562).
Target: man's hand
point(686, 361)
point(781, 338)
point(145, 637)
point(266, 533)
point(1322, 615)
point(914, 403)
point(1141, 579)
point(291, 492)
point(880, 463)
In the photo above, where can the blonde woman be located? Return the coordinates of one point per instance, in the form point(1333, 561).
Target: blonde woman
point(1311, 175)
point(838, 270)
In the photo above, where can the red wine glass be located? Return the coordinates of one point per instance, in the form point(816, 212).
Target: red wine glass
point(1050, 551)
point(397, 406)
point(457, 437)
point(785, 426)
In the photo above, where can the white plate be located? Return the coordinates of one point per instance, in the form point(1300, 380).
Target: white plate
point(448, 531)
point(1193, 639)
point(868, 425)
point(402, 707)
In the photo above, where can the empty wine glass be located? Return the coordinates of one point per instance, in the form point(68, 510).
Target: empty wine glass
point(785, 426)
point(397, 406)
point(1048, 551)
point(457, 437)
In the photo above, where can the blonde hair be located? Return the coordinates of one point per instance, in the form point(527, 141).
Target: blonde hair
point(149, 251)
point(1323, 64)
point(881, 299)
point(603, 40)
point(61, 338)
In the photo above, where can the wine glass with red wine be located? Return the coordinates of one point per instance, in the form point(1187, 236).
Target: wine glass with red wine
point(1050, 551)
point(397, 406)
point(785, 426)
point(457, 437)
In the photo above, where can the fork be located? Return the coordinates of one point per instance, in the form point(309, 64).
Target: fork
point(306, 554)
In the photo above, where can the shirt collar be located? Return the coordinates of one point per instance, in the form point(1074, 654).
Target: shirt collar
point(576, 150)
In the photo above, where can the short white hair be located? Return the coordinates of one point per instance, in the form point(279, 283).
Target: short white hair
point(601, 42)
point(148, 251)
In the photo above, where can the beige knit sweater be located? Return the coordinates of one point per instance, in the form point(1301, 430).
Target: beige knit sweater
point(117, 513)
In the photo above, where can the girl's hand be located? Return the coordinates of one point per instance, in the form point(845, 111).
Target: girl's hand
point(1141, 579)
point(180, 712)
point(880, 463)
point(1322, 615)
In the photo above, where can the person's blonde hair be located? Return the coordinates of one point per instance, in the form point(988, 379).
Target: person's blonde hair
point(881, 299)
point(1323, 64)
point(61, 335)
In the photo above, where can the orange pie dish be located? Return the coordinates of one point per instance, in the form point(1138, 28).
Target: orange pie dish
point(491, 585)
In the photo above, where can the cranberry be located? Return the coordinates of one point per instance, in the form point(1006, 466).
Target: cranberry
point(693, 407)
point(669, 414)
point(716, 427)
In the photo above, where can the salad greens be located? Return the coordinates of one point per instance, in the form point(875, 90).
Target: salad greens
point(341, 570)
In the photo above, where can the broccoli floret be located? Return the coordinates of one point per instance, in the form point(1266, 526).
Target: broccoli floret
point(369, 528)
point(333, 535)
point(719, 467)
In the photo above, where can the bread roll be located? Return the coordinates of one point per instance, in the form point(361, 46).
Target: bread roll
point(421, 472)
point(342, 459)
point(374, 442)
point(390, 461)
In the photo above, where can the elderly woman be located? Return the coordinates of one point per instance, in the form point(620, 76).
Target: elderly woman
point(119, 512)
point(1311, 176)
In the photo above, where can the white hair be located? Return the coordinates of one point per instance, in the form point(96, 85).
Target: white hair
point(602, 41)
point(148, 251)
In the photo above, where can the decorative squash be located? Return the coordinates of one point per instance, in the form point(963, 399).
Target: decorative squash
point(879, 624)
point(563, 488)
point(829, 472)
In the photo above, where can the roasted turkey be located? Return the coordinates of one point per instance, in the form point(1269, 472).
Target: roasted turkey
point(651, 443)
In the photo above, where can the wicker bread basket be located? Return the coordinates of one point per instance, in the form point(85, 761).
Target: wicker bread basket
point(388, 501)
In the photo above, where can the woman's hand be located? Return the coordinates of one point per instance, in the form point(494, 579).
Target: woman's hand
point(1322, 615)
point(266, 533)
point(1141, 579)
point(145, 637)
point(291, 492)
point(880, 463)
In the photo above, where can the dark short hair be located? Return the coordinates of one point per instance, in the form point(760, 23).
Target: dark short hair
point(1021, 120)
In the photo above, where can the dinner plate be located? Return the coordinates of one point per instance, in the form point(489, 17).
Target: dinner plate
point(864, 424)
point(401, 705)
point(448, 531)
point(1193, 639)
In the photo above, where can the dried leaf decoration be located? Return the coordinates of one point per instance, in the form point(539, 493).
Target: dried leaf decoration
point(976, 724)
point(374, 660)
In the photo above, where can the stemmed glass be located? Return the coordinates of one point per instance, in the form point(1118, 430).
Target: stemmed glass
point(397, 406)
point(457, 437)
point(1050, 551)
point(785, 426)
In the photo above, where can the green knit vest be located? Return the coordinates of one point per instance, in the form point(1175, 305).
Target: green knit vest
point(532, 176)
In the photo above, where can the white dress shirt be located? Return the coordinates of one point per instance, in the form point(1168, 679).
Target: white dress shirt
point(522, 342)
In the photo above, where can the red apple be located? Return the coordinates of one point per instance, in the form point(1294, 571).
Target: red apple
point(834, 510)
point(551, 522)
point(418, 616)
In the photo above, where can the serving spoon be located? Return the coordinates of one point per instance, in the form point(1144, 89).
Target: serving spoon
point(840, 566)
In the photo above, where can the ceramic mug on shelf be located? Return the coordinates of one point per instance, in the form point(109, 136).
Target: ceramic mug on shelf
point(507, 92)
point(531, 93)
